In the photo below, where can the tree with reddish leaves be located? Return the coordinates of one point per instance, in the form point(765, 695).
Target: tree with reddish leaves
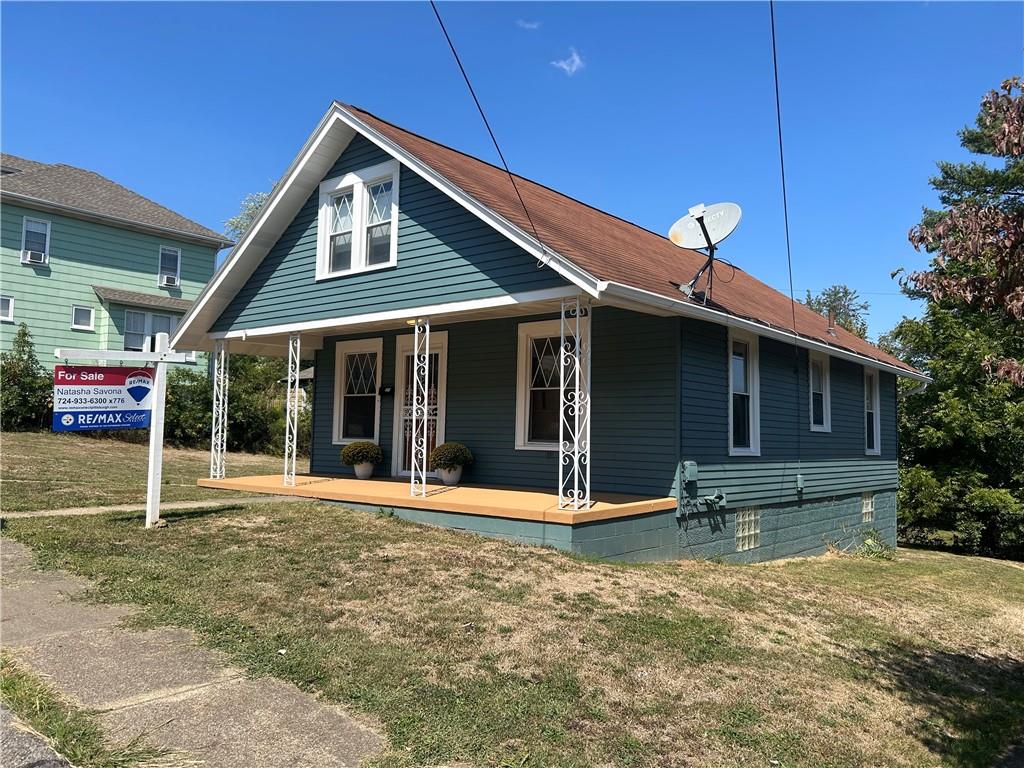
point(978, 240)
point(962, 438)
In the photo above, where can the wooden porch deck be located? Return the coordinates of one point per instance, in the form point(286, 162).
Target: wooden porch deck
point(512, 503)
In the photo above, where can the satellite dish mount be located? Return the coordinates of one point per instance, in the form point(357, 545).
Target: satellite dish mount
point(705, 227)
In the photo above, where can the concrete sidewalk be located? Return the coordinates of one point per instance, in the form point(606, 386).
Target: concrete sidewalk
point(162, 684)
point(141, 506)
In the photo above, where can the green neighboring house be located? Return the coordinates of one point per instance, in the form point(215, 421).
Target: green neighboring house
point(89, 264)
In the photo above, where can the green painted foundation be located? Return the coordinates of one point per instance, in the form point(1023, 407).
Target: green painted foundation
point(793, 530)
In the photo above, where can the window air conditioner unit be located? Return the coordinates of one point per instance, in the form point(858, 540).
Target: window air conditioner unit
point(168, 281)
point(33, 257)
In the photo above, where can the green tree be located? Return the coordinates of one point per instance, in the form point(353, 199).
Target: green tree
point(25, 386)
point(845, 304)
point(252, 204)
point(962, 438)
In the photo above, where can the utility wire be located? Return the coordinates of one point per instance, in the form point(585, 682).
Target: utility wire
point(789, 248)
point(483, 116)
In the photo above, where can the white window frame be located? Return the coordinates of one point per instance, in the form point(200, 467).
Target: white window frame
point(92, 318)
point(542, 329)
point(356, 182)
point(147, 344)
point(753, 371)
point(24, 232)
point(159, 259)
point(867, 507)
point(341, 349)
point(876, 400)
point(826, 392)
point(9, 317)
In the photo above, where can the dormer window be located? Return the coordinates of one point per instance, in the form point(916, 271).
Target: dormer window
point(358, 222)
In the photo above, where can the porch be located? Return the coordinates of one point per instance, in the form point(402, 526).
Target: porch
point(519, 504)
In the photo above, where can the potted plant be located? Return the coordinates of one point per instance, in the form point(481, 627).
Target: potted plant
point(447, 460)
point(362, 455)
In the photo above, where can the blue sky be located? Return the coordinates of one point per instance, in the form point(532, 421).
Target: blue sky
point(195, 105)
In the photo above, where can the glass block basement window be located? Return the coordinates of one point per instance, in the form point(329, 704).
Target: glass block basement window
point(748, 528)
point(867, 507)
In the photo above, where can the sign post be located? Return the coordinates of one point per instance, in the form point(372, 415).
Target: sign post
point(86, 398)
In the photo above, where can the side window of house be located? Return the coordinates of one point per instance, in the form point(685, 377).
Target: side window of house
point(35, 241)
point(871, 417)
point(81, 318)
point(356, 383)
point(169, 275)
point(744, 410)
point(820, 395)
point(140, 328)
point(357, 225)
point(7, 309)
point(538, 389)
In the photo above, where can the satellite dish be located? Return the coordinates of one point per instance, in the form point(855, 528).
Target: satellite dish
point(720, 220)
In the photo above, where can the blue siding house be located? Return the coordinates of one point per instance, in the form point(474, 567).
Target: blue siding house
point(608, 412)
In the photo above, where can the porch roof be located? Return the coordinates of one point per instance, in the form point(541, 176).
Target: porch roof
point(511, 503)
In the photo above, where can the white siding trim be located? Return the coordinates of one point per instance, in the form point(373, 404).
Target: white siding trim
point(753, 372)
point(526, 332)
point(91, 326)
point(357, 182)
point(341, 349)
point(403, 347)
point(24, 231)
point(876, 401)
point(826, 391)
point(432, 310)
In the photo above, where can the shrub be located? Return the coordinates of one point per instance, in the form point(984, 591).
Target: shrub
point(874, 546)
point(990, 520)
point(27, 388)
point(449, 456)
point(923, 501)
point(360, 452)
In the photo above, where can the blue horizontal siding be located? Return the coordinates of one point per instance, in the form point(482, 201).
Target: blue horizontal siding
point(633, 429)
point(832, 463)
point(445, 254)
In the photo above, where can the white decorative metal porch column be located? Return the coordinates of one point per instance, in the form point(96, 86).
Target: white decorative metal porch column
point(219, 431)
point(574, 410)
point(420, 407)
point(291, 418)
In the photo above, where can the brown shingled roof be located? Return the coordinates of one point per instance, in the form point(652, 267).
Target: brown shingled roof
point(139, 299)
point(76, 188)
point(612, 249)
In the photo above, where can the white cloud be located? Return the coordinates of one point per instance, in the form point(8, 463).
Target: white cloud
point(571, 65)
point(524, 24)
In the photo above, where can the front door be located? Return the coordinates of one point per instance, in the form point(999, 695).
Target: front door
point(401, 456)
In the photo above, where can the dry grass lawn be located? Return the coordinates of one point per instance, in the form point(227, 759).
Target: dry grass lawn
point(467, 651)
point(42, 470)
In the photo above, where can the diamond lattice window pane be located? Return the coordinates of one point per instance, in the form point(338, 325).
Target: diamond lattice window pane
point(361, 378)
point(342, 213)
point(545, 363)
point(379, 203)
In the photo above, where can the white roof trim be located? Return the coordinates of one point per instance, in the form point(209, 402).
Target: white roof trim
point(277, 214)
point(628, 294)
point(435, 311)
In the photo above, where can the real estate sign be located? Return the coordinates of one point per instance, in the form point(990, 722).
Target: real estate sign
point(97, 397)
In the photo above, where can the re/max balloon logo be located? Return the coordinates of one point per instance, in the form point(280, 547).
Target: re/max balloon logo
point(138, 385)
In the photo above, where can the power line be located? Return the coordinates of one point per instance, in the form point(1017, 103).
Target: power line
point(487, 124)
point(789, 248)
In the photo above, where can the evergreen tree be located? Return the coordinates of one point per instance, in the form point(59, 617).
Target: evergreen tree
point(962, 438)
point(845, 304)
